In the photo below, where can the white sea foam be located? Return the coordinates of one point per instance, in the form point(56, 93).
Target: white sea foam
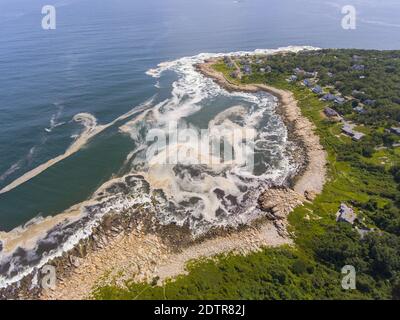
point(202, 196)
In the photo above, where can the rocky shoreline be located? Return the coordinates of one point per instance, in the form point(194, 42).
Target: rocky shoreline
point(311, 180)
point(133, 245)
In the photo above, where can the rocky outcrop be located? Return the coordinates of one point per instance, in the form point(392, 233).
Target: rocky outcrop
point(278, 203)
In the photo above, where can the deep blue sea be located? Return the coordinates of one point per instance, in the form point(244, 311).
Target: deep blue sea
point(96, 62)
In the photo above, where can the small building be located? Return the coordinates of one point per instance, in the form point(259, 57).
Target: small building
point(310, 74)
point(266, 69)
point(359, 110)
point(346, 214)
point(307, 83)
point(339, 100)
point(247, 70)
point(298, 71)
point(348, 130)
point(357, 136)
point(370, 102)
point(356, 93)
point(357, 58)
point(395, 130)
point(329, 112)
point(235, 74)
point(329, 97)
point(358, 67)
point(363, 232)
point(293, 78)
point(330, 74)
point(317, 90)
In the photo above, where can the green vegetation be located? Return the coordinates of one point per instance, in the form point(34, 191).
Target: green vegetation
point(360, 174)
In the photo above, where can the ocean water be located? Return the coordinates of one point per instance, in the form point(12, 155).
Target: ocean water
point(104, 59)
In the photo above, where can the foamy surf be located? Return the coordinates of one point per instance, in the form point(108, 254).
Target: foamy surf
point(202, 197)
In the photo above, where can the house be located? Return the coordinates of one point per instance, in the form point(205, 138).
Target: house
point(329, 97)
point(346, 214)
point(363, 232)
point(339, 100)
point(395, 130)
point(310, 74)
point(329, 112)
point(247, 70)
point(267, 69)
point(227, 59)
point(317, 90)
point(298, 71)
point(359, 110)
point(358, 67)
point(307, 83)
point(357, 58)
point(348, 130)
point(357, 136)
point(370, 102)
point(235, 74)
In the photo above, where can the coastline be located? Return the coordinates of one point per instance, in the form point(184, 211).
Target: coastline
point(311, 181)
point(130, 252)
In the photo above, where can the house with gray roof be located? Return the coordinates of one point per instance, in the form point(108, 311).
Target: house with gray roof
point(329, 112)
point(329, 97)
point(317, 90)
point(339, 100)
point(346, 214)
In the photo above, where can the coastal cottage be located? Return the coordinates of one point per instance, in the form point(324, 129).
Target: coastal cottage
point(298, 71)
point(348, 130)
point(357, 136)
point(370, 102)
point(329, 112)
point(329, 97)
point(395, 130)
point(346, 214)
point(358, 67)
point(247, 70)
point(235, 74)
point(359, 110)
point(339, 100)
point(307, 83)
point(317, 90)
point(310, 74)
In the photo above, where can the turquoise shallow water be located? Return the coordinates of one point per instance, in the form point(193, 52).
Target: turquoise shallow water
point(96, 62)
